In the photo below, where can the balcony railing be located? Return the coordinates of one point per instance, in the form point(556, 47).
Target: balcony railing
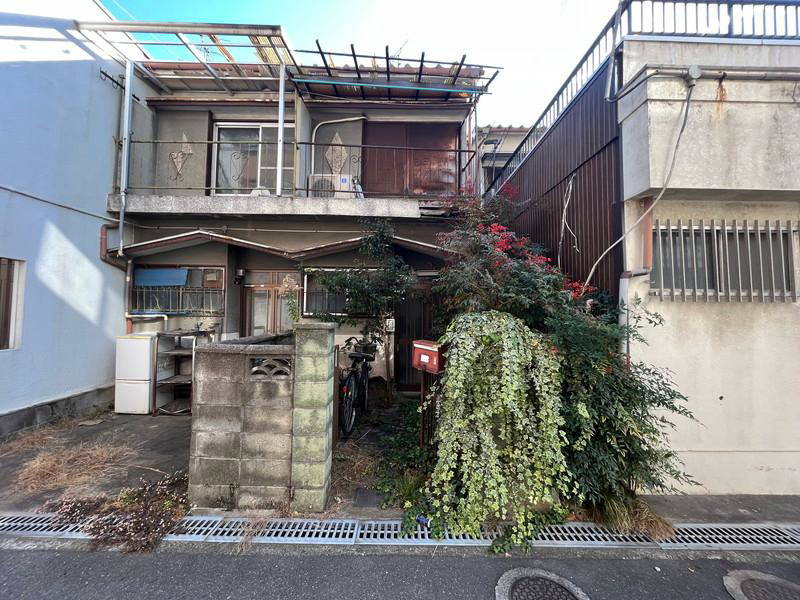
point(177, 300)
point(756, 19)
point(211, 167)
point(358, 171)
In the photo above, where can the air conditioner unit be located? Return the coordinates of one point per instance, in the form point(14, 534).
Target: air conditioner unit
point(330, 186)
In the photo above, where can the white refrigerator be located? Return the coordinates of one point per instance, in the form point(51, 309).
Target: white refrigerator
point(135, 360)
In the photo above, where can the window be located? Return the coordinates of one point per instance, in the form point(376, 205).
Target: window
point(732, 261)
point(317, 300)
point(10, 302)
point(246, 158)
point(266, 305)
point(186, 291)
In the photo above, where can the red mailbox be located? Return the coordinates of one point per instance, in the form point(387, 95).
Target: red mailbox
point(427, 356)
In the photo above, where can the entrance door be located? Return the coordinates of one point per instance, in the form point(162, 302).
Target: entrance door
point(413, 321)
point(265, 311)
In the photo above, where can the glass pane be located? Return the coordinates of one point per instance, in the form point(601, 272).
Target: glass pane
point(237, 160)
point(679, 266)
point(267, 180)
point(260, 312)
point(284, 319)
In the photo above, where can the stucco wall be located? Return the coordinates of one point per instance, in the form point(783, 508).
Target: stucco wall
point(58, 123)
point(736, 362)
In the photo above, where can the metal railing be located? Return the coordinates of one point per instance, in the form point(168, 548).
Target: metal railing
point(358, 170)
point(324, 170)
point(178, 300)
point(236, 167)
point(725, 261)
point(757, 19)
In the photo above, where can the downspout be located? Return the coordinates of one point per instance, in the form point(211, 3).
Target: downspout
point(111, 260)
point(125, 126)
point(320, 124)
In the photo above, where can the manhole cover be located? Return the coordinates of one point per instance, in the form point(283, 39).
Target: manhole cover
point(756, 589)
point(755, 585)
point(538, 588)
point(535, 584)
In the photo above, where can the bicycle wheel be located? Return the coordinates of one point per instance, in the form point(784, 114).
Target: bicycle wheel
point(347, 405)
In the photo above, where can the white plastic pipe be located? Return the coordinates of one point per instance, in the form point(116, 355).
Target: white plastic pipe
point(281, 113)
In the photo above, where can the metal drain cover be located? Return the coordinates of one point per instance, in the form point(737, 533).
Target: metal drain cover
point(535, 584)
point(755, 585)
point(538, 588)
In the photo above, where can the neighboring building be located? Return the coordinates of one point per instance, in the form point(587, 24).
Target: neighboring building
point(718, 255)
point(496, 144)
point(243, 161)
point(61, 303)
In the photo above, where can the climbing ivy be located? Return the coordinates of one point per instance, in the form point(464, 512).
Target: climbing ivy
point(500, 444)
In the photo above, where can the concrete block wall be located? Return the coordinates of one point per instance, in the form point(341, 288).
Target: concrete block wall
point(241, 446)
point(312, 438)
point(262, 422)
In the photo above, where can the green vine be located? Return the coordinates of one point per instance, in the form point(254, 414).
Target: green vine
point(499, 433)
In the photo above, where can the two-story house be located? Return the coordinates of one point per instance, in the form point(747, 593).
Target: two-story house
point(248, 161)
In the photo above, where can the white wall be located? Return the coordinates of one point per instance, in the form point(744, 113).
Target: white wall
point(58, 123)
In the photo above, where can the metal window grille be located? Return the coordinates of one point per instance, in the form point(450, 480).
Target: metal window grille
point(721, 261)
point(178, 300)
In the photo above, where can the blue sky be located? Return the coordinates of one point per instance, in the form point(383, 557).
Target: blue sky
point(538, 42)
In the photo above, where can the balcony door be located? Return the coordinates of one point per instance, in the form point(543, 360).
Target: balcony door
point(245, 158)
point(411, 159)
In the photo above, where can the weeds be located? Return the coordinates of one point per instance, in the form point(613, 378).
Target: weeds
point(135, 520)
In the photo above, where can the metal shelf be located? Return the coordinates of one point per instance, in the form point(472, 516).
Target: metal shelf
point(177, 352)
point(175, 380)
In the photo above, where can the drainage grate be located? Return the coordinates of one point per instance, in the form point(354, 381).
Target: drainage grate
point(538, 588)
point(731, 537)
point(588, 534)
point(391, 533)
point(308, 531)
point(38, 525)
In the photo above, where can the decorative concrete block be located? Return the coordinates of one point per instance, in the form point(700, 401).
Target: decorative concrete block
point(275, 393)
point(265, 472)
point(258, 419)
point(210, 417)
point(214, 471)
point(310, 500)
point(313, 394)
point(212, 444)
point(266, 446)
point(217, 392)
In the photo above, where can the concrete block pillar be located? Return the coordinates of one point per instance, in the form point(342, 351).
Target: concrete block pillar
point(312, 425)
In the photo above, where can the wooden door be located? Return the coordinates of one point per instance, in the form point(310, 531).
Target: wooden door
point(384, 169)
point(433, 170)
point(413, 321)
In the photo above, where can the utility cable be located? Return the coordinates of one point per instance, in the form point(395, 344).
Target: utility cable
point(567, 199)
point(684, 118)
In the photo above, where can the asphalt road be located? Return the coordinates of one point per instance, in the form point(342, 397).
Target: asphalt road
point(68, 574)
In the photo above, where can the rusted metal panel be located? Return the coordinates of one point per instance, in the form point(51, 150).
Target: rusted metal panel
point(583, 143)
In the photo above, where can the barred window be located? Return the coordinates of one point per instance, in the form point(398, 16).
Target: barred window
point(185, 291)
point(721, 261)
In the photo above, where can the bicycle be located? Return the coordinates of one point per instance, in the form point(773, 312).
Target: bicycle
point(355, 383)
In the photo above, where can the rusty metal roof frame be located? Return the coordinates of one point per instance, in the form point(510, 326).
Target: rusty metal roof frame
point(235, 58)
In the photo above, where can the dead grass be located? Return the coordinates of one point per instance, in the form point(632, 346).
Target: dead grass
point(354, 466)
point(634, 516)
point(57, 467)
point(36, 438)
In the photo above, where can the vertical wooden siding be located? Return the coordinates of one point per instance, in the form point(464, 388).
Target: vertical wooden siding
point(583, 142)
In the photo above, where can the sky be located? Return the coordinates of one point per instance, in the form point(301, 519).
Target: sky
point(537, 42)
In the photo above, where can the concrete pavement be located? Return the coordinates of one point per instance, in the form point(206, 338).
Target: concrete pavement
point(300, 574)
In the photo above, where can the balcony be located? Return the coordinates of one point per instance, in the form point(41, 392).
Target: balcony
point(240, 174)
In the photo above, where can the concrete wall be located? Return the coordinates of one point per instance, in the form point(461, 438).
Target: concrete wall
point(58, 121)
point(736, 362)
point(261, 436)
point(740, 135)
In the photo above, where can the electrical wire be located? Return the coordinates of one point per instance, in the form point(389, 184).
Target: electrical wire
point(567, 199)
point(684, 119)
